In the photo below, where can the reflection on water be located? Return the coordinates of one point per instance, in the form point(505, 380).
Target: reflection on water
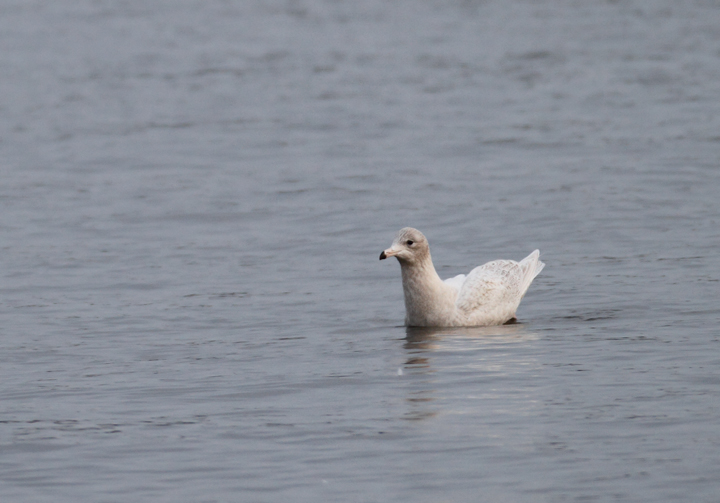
point(438, 356)
point(430, 338)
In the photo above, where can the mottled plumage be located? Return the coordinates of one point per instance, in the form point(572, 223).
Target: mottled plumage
point(489, 295)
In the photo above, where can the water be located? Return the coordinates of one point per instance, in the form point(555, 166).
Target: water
point(194, 195)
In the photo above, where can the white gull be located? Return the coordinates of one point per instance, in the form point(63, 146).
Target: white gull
point(489, 295)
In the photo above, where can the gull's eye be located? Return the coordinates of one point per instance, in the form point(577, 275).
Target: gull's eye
point(409, 242)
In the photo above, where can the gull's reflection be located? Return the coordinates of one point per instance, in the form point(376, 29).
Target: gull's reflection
point(429, 338)
point(422, 342)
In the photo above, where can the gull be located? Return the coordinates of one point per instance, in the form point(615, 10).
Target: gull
point(489, 295)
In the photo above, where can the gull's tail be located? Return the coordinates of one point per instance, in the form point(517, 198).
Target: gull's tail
point(531, 267)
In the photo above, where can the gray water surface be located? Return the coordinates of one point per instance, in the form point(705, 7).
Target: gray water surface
point(194, 195)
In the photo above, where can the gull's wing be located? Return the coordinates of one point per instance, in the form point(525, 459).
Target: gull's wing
point(492, 286)
point(498, 286)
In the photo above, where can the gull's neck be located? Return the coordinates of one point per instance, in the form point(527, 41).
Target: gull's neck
point(428, 300)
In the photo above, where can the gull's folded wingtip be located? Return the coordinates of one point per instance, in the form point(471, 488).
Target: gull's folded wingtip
point(383, 256)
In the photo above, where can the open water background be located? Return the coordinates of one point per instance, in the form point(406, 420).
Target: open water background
point(194, 195)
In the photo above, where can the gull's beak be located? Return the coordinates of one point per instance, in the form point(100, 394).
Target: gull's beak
point(388, 253)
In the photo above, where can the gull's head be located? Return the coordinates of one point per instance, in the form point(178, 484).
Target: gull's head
point(410, 246)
